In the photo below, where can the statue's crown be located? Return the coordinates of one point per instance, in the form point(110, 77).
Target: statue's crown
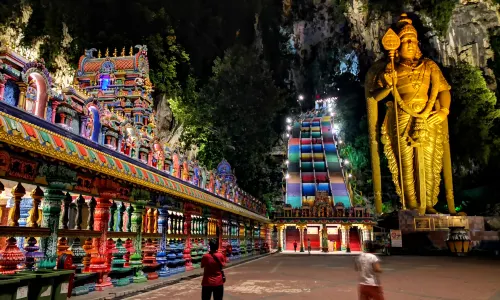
point(405, 23)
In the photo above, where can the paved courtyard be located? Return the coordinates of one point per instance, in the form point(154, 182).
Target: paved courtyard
point(289, 276)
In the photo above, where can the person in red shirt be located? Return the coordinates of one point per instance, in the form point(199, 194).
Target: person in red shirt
point(295, 246)
point(213, 276)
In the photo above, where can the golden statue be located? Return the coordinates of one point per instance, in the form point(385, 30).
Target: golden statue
point(415, 135)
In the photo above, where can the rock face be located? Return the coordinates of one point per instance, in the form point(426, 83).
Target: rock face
point(164, 118)
point(167, 129)
point(467, 39)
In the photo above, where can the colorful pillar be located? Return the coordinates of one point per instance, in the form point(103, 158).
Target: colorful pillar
point(138, 210)
point(281, 229)
point(366, 234)
point(301, 235)
point(219, 232)
point(345, 236)
point(102, 214)
point(187, 247)
point(162, 253)
point(269, 234)
point(51, 210)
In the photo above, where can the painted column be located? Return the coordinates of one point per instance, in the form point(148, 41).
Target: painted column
point(347, 241)
point(2, 87)
point(22, 95)
point(51, 210)
point(4, 212)
point(343, 237)
point(138, 210)
point(367, 234)
point(15, 211)
point(269, 235)
point(280, 237)
point(187, 246)
point(162, 228)
point(219, 232)
point(102, 214)
point(58, 178)
point(23, 219)
point(301, 233)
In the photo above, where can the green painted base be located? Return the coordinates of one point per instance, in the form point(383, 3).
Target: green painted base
point(302, 249)
point(123, 281)
point(140, 278)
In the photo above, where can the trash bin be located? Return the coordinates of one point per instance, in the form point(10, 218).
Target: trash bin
point(25, 281)
point(8, 287)
point(42, 287)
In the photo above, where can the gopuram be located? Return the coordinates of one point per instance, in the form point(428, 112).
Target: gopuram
point(87, 186)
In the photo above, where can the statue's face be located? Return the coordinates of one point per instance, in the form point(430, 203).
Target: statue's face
point(409, 46)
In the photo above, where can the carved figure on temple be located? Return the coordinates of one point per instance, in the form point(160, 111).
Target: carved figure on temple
point(217, 186)
point(237, 195)
point(176, 164)
point(223, 188)
point(89, 126)
point(211, 183)
point(157, 157)
point(196, 174)
point(185, 170)
point(414, 132)
point(112, 78)
point(204, 176)
point(128, 145)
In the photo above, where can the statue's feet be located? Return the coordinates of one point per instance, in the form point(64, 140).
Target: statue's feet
point(411, 207)
point(431, 211)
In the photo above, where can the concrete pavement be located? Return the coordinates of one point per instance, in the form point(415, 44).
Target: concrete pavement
point(290, 276)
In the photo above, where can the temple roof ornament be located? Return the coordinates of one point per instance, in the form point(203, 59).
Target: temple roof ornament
point(224, 171)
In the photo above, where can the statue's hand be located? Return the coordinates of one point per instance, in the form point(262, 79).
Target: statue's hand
point(437, 118)
point(390, 78)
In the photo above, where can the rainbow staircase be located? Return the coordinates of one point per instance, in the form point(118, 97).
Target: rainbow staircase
point(313, 163)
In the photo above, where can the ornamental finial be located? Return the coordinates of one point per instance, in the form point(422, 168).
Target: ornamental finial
point(115, 53)
point(131, 52)
point(107, 53)
point(99, 54)
point(123, 52)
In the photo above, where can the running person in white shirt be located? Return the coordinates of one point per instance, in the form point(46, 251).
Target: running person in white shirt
point(368, 265)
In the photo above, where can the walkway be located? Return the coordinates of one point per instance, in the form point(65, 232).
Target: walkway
point(141, 288)
point(321, 252)
point(287, 277)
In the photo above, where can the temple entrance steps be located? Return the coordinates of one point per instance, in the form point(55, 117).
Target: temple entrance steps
point(355, 242)
point(292, 234)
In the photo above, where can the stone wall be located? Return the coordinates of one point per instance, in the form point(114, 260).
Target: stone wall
point(429, 232)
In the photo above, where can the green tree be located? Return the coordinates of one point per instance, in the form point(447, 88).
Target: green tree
point(109, 24)
point(474, 118)
point(233, 117)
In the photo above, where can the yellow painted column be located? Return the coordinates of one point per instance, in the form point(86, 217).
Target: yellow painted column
point(280, 237)
point(346, 234)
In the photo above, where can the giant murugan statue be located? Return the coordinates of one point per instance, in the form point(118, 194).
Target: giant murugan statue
point(414, 132)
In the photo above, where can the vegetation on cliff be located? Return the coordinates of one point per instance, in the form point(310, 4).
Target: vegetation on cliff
point(183, 39)
point(233, 117)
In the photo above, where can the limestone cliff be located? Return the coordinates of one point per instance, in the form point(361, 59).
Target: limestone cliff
point(467, 38)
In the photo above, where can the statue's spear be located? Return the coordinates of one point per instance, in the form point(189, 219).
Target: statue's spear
point(391, 43)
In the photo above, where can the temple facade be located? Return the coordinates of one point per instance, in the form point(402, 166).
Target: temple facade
point(82, 174)
point(319, 202)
